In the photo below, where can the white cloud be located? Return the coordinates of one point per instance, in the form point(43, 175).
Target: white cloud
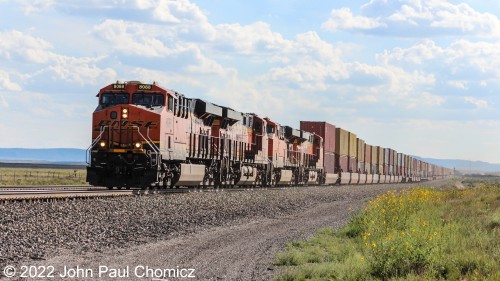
point(459, 64)
point(6, 83)
point(417, 54)
point(458, 84)
point(134, 38)
point(81, 70)
point(367, 98)
point(253, 39)
point(15, 45)
point(312, 64)
point(3, 102)
point(343, 19)
point(462, 18)
point(478, 103)
point(395, 81)
point(161, 77)
point(431, 100)
point(178, 11)
point(417, 18)
point(36, 6)
point(185, 17)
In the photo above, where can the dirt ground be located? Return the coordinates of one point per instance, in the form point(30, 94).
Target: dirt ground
point(242, 250)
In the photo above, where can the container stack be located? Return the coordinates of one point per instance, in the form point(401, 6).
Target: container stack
point(368, 163)
point(353, 150)
point(342, 149)
point(342, 154)
point(399, 165)
point(327, 132)
point(360, 155)
point(390, 165)
point(386, 164)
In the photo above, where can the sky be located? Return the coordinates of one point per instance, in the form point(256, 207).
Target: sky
point(418, 76)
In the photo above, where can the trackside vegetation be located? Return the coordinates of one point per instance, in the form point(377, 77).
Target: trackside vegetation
point(417, 234)
point(36, 176)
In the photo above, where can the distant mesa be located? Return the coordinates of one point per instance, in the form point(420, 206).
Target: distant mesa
point(70, 156)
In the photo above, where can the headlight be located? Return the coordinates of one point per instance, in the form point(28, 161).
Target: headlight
point(102, 144)
point(138, 145)
point(124, 113)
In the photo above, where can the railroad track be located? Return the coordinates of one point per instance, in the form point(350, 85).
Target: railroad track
point(47, 187)
point(49, 193)
point(69, 192)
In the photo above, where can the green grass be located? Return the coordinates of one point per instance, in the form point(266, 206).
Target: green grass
point(40, 176)
point(420, 234)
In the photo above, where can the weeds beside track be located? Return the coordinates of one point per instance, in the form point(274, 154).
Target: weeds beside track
point(413, 235)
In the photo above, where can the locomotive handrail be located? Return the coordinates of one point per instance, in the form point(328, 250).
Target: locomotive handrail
point(88, 151)
point(157, 152)
point(151, 144)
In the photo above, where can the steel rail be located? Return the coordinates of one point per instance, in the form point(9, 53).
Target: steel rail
point(98, 192)
point(80, 192)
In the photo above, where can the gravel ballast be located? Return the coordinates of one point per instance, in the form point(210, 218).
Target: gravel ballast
point(104, 227)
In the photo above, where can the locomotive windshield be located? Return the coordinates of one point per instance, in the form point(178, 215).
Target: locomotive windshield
point(148, 100)
point(112, 99)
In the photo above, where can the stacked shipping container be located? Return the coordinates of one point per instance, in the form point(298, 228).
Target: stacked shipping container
point(327, 132)
point(361, 160)
point(360, 155)
point(368, 159)
point(380, 163)
point(346, 155)
point(342, 149)
point(353, 150)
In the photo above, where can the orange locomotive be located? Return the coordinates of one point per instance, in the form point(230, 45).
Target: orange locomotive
point(146, 136)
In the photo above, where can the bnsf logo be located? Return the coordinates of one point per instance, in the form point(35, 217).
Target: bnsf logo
point(126, 123)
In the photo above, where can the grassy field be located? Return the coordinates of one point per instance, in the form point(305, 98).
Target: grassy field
point(40, 176)
point(419, 234)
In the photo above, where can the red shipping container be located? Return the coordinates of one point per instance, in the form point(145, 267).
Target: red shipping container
point(322, 129)
point(353, 164)
point(341, 162)
point(361, 167)
point(329, 163)
point(368, 154)
point(386, 170)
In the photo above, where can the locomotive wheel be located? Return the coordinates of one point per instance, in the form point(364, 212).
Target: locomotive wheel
point(217, 180)
point(119, 187)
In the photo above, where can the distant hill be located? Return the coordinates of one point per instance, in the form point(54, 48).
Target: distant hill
point(43, 155)
point(464, 166)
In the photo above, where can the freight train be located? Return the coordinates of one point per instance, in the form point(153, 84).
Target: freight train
point(146, 136)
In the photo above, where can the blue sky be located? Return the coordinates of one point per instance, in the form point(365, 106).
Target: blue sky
point(421, 77)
